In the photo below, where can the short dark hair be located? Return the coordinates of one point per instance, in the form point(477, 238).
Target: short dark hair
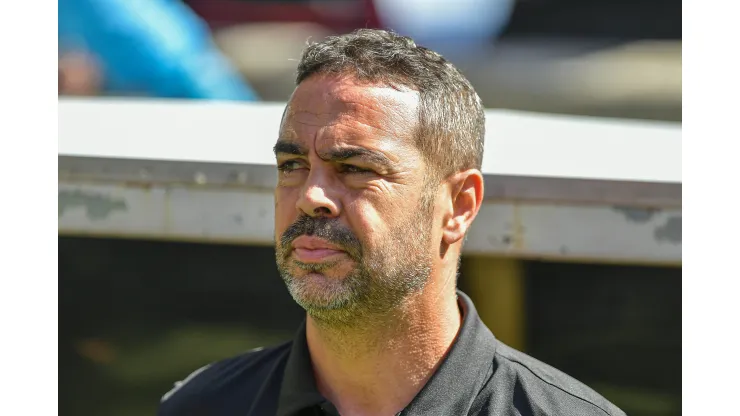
point(451, 116)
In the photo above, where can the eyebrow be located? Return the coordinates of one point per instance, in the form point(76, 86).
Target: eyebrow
point(335, 155)
point(283, 146)
point(371, 156)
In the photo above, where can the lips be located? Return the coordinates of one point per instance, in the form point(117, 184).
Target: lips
point(314, 250)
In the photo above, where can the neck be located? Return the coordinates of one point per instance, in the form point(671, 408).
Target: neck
point(378, 367)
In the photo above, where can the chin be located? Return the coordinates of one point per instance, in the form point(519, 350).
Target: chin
point(316, 292)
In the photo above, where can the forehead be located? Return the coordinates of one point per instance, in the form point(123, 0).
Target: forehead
point(330, 108)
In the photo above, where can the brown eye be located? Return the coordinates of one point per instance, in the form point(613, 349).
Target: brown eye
point(289, 166)
point(345, 168)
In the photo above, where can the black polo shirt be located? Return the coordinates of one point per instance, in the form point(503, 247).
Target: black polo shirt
point(479, 376)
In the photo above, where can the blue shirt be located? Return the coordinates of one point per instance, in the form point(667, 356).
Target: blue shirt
point(158, 48)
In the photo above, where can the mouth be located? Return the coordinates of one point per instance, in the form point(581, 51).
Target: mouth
point(315, 250)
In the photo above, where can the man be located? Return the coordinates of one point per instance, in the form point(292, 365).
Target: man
point(379, 156)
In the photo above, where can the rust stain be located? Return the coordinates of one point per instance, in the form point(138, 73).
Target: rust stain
point(517, 237)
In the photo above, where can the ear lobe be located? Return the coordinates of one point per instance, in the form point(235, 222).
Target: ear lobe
point(466, 198)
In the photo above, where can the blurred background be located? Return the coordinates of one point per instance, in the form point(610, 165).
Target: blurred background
point(137, 315)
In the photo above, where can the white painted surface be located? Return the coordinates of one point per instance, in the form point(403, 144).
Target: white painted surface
point(517, 143)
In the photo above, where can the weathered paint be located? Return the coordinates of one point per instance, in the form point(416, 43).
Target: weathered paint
point(640, 215)
point(97, 205)
point(670, 232)
point(521, 230)
point(590, 233)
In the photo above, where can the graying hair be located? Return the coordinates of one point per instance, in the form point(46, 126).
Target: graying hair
point(451, 126)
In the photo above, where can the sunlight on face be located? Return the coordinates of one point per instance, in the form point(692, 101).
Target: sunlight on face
point(353, 236)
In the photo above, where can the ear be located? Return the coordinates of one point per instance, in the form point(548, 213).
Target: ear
point(466, 197)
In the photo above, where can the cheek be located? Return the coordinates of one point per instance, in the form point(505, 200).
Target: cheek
point(364, 221)
point(374, 223)
point(292, 179)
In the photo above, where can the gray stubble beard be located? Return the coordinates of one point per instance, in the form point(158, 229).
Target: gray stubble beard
point(376, 286)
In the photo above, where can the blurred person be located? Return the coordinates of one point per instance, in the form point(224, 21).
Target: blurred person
point(449, 26)
point(155, 48)
point(79, 74)
point(379, 154)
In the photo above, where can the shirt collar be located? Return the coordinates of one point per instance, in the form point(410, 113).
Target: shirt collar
point(298, 390)
point(463, 372)
point(453, 386)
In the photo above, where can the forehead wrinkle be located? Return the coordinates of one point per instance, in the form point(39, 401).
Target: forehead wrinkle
point(311, 118)
point(337, 136)
point(352, 131)
point(379, 109)
point(321, 119)
point(382, 112)
point(373, 117)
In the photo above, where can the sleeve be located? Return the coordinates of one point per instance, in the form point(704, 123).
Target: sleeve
point(158, 47)
point(170, 403)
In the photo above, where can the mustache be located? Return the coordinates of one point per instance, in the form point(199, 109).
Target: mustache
point(329, 229)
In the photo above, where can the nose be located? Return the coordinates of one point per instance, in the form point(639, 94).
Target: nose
point(318, 196)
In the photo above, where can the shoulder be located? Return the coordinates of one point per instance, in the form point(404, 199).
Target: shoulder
point(219, 381)
point(541, 389)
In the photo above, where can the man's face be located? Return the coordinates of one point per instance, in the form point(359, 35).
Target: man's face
point(352, 234)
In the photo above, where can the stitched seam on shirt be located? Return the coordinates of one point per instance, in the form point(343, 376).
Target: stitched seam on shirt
point(554, 385)
point(489, 374)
